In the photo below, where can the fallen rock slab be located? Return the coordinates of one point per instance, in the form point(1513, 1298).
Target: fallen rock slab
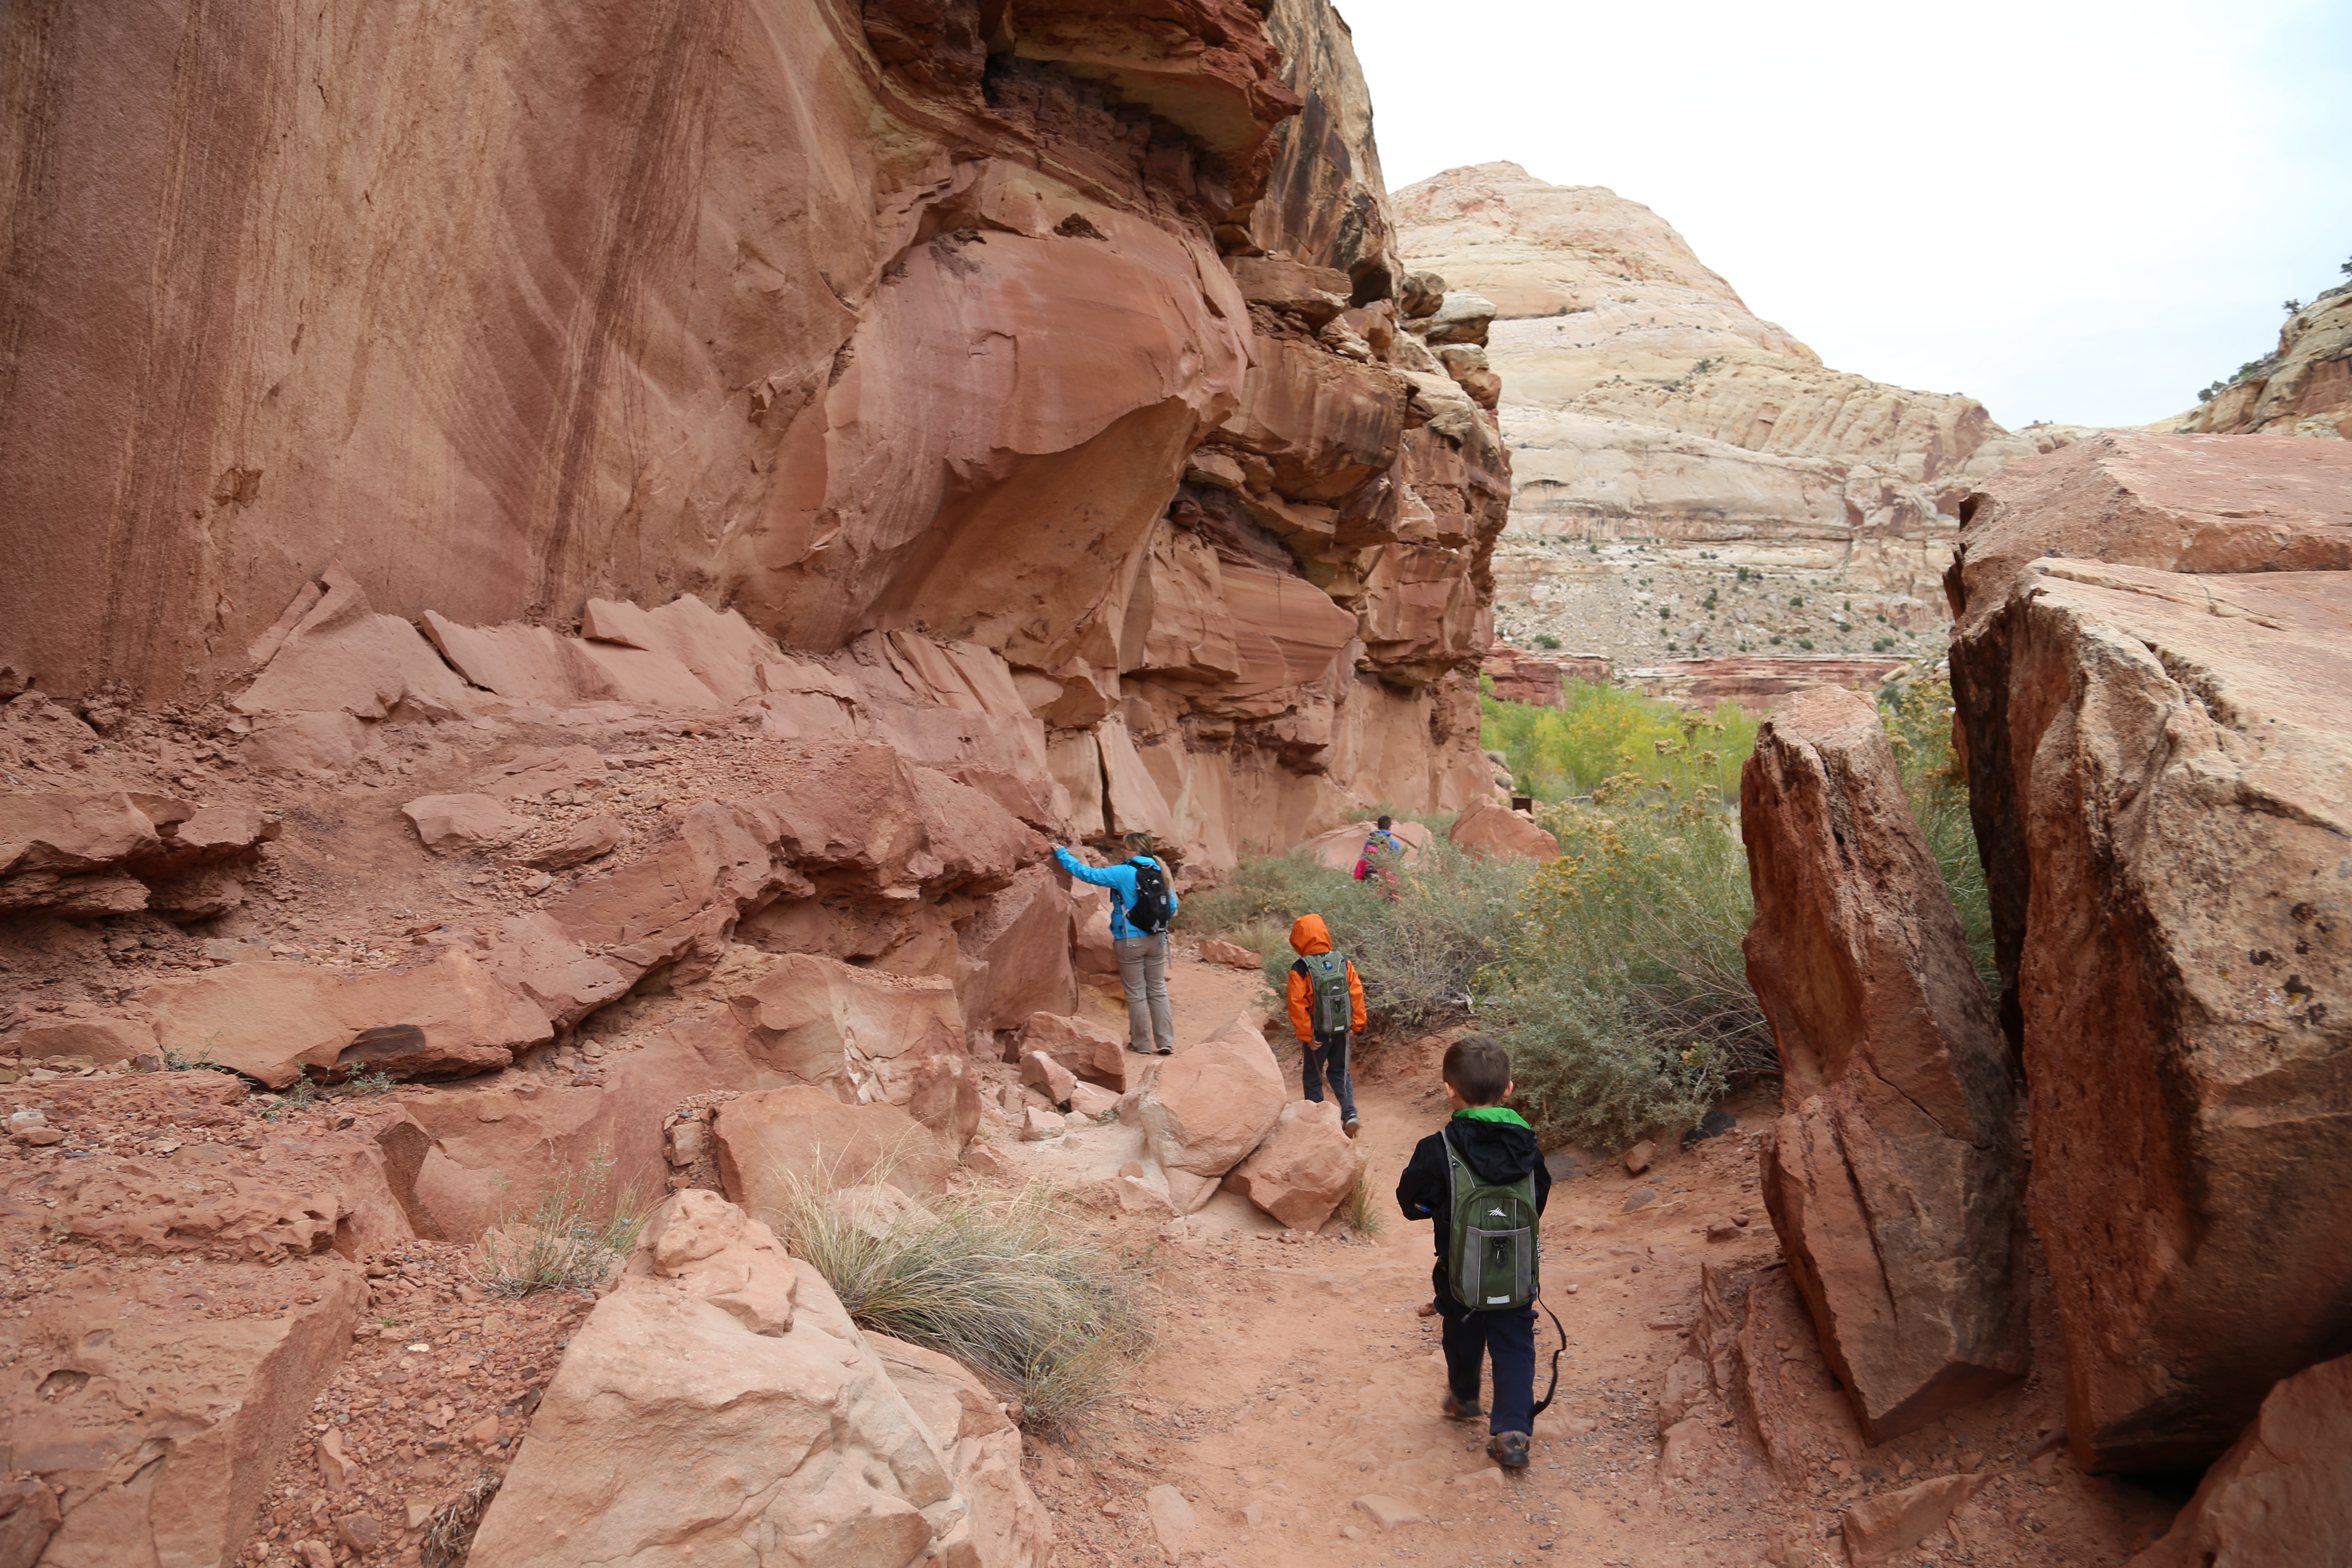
point(212, 1404)
point(2283, 1494)
point(453, 822)
point(447, 1018)
point(1090, 1048)
point(1894, 1176)
point(1878, 1529)
point(1010, 1528)
point(1233, 956)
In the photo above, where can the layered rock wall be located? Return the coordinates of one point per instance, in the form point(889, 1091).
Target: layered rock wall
point(897, 318)
point(2152, 671)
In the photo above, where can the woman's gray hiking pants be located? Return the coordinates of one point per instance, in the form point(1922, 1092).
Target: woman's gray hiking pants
point(1143, 972)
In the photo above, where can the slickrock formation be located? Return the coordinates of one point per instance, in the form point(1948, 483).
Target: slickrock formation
point(2152, 669)
point(1662, 431)
point(1895, 1173)
point(2304, 388)
point(2283, 1494)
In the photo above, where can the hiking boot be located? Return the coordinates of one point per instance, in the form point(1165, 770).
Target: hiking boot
point(1138, 1050)
point(1456, 1410)
point(1508, 1450)
point(1352, 1127)
point(1167, 1051)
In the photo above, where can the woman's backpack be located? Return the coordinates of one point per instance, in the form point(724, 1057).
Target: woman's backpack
point(1153, 910)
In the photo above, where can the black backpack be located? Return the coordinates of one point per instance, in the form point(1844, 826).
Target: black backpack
point(1153, 910)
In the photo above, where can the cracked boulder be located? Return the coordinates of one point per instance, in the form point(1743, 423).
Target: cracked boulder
point(1895, 1173)
point(2160, 769)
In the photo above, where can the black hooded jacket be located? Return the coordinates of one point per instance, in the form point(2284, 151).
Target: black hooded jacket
point(1498, 1151)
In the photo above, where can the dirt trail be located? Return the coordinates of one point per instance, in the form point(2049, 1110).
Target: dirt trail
point(1293, 1378)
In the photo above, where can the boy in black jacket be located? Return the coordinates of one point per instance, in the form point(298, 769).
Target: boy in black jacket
point(1500, 1147)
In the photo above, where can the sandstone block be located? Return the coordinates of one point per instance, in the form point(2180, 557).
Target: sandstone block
point(1877, 1529)
point(1090, 1048)
point(101, 1041)
point(860, 1032)
point(451, 1017)
point(1637, 1159)
point(1316, 294)
point(1038, 1124)
point(659, 1392)
point(2158, 763)
point(1487, 827)
point(1047, 1076)
point(1203, 1110)
point(1172, 1521)
point(597, 836)
point(769, 1139)
point(1214, 949)
point(699, 1246)
point(2283, 1494)
point(220, 1402)
point(1304, 1170)
point(943, 1094)
point(1894, 1174)
point(1010, 1528)
point(325, 743)
point(341, 657)
point(455, 822)
point(1462, 318)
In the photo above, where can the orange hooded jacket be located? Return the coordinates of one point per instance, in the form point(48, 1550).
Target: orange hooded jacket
point(1309, 934)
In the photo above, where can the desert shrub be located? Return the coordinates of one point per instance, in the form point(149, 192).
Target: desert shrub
point(1588, 1070)
point(1421, 954)
point(1272, 890)
point(1556, 754)
point(1011, 1287)
point(574, 1235)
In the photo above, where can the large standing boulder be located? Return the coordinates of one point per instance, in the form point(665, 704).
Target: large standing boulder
point(1490, 828)
point(2282, 1496)
point(679, 1430)
point(1304, 1169)
point(1203, 1110)
point(1895, 1173)
point(2161, 768)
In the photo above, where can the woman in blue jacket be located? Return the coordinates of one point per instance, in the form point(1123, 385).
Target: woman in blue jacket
point(1142, 954)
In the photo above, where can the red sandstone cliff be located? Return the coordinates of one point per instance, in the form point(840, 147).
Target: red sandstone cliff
point(906, 319)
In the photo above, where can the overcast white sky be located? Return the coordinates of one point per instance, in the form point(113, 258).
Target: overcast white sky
point(2076, 210)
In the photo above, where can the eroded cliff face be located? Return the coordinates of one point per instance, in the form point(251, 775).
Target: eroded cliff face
point(905, 317)
point(2303, 387)
point(1664, 438)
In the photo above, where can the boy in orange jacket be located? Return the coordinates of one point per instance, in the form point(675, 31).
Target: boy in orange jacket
point(1327, 1007)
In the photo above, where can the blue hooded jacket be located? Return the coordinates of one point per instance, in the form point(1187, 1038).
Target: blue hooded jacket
point(1121, 881)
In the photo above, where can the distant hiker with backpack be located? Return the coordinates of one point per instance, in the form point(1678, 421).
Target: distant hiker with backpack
point(1327, 1008)
point(1142, 907)
point(1384, 851)
point(1482, 1179)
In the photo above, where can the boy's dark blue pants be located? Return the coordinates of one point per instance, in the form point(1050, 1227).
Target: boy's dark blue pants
point(1315, 1061)
point(1509, 1339)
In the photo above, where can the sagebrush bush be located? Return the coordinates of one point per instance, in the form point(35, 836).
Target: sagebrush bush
point(574, 1236)
point(1588, 1070)
point(1011, 1287)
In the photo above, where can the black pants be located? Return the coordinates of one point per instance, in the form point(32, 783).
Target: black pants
point(1508, 1338)
point(1328, 1057)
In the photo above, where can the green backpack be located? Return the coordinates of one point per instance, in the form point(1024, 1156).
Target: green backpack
point(1492, 1260)
point(1329, 1011)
